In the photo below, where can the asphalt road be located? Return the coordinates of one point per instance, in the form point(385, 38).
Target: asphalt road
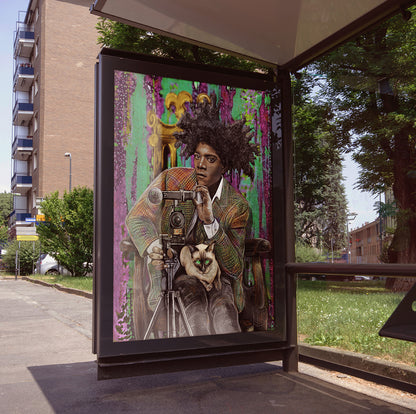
point(47, 366)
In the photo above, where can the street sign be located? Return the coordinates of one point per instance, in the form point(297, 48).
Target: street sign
point(40, 217)
point(27, 238)
point(30, 219)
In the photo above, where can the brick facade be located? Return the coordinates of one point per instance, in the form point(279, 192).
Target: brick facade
point(63, 58)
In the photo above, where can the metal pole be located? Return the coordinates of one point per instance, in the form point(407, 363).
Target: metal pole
point(68, 155)
point(350, 216)
point(70, 173)
point(381, 229)
point(19, 260)
point(348, 243)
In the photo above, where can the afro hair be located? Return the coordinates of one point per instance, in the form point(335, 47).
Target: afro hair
point(230, 141)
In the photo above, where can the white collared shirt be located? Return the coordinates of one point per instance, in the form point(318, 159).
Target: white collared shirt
point(211, 229)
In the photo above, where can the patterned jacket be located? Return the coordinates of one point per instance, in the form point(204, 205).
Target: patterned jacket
point(146, 221)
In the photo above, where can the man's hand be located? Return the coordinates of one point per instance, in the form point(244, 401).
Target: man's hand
point(204, 204)
point(157, 257)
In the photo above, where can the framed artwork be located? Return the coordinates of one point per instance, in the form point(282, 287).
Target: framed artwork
point(186, 213)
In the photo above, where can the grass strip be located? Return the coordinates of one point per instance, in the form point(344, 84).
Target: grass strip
point(348, 315)
point(74, 282)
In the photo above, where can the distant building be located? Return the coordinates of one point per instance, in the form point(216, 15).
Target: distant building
point(365, 243)
point(55, 49)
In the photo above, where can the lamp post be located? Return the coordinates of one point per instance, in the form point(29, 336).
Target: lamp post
point(350, 217)
point(68, 155)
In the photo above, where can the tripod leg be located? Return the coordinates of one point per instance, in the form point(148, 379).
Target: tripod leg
point(183, 314)
point(173, 314)
point(154, 317)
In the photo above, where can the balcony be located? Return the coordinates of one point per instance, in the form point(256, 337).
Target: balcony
point(24, 41)
point(22, 113)
point(21, 183)
point(19, 219)
point(22, 148)
point(23, 78)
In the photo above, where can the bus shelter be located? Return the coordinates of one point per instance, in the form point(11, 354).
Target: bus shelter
point(140, 101)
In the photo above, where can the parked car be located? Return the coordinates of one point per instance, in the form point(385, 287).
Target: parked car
point(360, 277)
point(47, 265)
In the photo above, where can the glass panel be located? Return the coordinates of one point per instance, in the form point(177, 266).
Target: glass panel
point(355, 149)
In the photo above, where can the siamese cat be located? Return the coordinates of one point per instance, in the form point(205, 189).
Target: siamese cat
point(199, 261)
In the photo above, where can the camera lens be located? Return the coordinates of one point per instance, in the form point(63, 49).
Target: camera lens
point(177, 220)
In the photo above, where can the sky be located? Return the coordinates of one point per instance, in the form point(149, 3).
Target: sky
point(358, 202)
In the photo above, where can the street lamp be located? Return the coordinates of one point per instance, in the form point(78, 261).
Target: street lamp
point(350, 217)
point(68, 155)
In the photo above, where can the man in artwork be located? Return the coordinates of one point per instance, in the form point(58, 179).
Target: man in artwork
point(219, 217)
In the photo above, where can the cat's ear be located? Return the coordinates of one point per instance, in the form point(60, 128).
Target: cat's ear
point(185, 256)
point(191, 248)
point(211, 247)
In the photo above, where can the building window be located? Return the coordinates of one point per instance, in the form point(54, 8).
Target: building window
point(34, 199)
point(35, 161)
point(36, 87)
point(36, 14)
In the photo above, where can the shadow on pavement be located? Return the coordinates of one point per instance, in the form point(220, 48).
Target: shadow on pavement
point(256, 388)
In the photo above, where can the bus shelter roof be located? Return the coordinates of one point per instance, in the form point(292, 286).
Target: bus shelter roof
point(282, 33)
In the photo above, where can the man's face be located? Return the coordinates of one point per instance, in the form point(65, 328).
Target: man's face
point(208, 166)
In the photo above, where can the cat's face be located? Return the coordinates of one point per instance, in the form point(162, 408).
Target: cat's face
point(202, 256)
point(202, 263)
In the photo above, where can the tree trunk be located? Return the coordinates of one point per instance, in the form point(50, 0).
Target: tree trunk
point(403, 246)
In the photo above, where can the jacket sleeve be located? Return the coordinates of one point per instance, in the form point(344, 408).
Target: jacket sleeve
point(143, 220)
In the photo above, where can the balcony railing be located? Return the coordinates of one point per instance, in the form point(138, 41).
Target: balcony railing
point(15, 217)
point(23, 77)
point(24, 41)
point(22, 216)
point(22, 112)
point(22, 148)
point(21, 183)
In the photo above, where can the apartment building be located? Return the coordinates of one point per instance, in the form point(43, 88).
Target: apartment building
point(366, 243)
point(55, 50)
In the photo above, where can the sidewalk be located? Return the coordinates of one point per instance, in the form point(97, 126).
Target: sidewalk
point(46, 366)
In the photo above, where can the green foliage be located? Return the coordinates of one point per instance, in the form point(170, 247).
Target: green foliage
point(306, 254)
point(73, 282)
point(3, 235)
point(67, 233)
point(28, 254)
point(123, 37)
point(320, 202)
point(6, 207)
point(348, 315)
point(370, 85)
point(385, 209)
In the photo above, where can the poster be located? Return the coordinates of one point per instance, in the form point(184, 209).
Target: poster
point(147, 108)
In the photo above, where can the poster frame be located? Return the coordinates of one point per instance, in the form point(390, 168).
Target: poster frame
point(119, 359)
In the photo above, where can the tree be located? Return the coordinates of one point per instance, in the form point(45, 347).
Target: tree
point(121, 36)
point(27, 254)
point(67, 233)
point(320, 202)
point(6, 207)
point(370, 85)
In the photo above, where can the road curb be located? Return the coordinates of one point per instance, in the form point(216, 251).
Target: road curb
point(60, 287)
point(359, 362)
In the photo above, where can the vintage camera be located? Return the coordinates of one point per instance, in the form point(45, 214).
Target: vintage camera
point(175, 239)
